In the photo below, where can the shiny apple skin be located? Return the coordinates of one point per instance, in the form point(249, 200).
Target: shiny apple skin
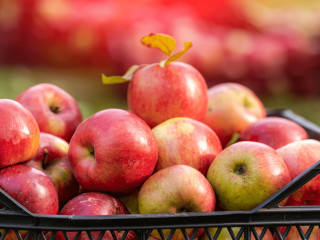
point(30, 187)
point(157, 93)
point(19, 134)
point(174, 189)
point(39, 98)
point(186, 141)
point(113, 151)
point(263, 173)
point(275, 132)
point(56, 165)
point(299, 156)
point(94, 203)
point(231, 109)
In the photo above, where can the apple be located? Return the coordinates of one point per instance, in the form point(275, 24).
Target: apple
point(225, 235)
point(130, 200)
point(52, 159)
point(186, 141)
point(158, 93)
point(294, 233)
point(94, 203)
point(274, 131)
point(232, 108)
point(30, 187)
point(113, 151)
point(55, 110)
point(175, 189)
point(245, 174)
point(19, 134)
point(299, 156)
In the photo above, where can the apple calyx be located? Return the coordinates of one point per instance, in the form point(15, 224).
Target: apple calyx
point(240, 169)
point(166, 44)
point(121, 79)
point(55, 109)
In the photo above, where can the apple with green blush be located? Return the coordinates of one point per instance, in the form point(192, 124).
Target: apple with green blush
point(231, 109)
point(245, 174)
point(186, 141)
point(52, 159)
point(176, 189)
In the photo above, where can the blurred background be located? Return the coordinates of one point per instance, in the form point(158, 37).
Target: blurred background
point(270, 46)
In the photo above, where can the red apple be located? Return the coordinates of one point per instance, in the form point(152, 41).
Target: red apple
point(52, 158)
point(113, 151)
point(225, 235)
point(299, 156)
point(274, 131)
point(55, 110)
point(157, 93)
point(94, 203)
point(186, 141)
point(19, 134)
point(30, 187)
point(179, 188)
point(232, 108)
point(245, 174)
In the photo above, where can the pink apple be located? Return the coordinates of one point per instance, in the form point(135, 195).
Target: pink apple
point(186, 141)
point(157, 93)
point(30, 187)
point(232, 108)
point(179, 188)
point(245, 174)
point(225, 235)
point(94, 203)
point(299, 156)
point(19, 134)
point(274, 131)
point(52, 158)
point(113, 151)
point(55, 110)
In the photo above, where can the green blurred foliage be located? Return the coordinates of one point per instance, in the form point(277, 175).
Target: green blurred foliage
point(85, 86)
point(92, 96)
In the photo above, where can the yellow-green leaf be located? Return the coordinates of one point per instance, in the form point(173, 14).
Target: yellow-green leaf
point(235, 137)
point(121, 79)
point(176, 56)
point(160, 41)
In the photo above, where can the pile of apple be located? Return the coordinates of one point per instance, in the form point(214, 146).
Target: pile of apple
point(180, 147)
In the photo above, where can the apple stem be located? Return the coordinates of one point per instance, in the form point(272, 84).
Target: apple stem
point(45, 154)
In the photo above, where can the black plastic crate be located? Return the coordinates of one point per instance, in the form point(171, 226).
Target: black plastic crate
point(267, 215)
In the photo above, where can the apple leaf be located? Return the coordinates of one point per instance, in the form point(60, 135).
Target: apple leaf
point(176, 56)
point(121, 79)
point(161, 41)
point(235, 137)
